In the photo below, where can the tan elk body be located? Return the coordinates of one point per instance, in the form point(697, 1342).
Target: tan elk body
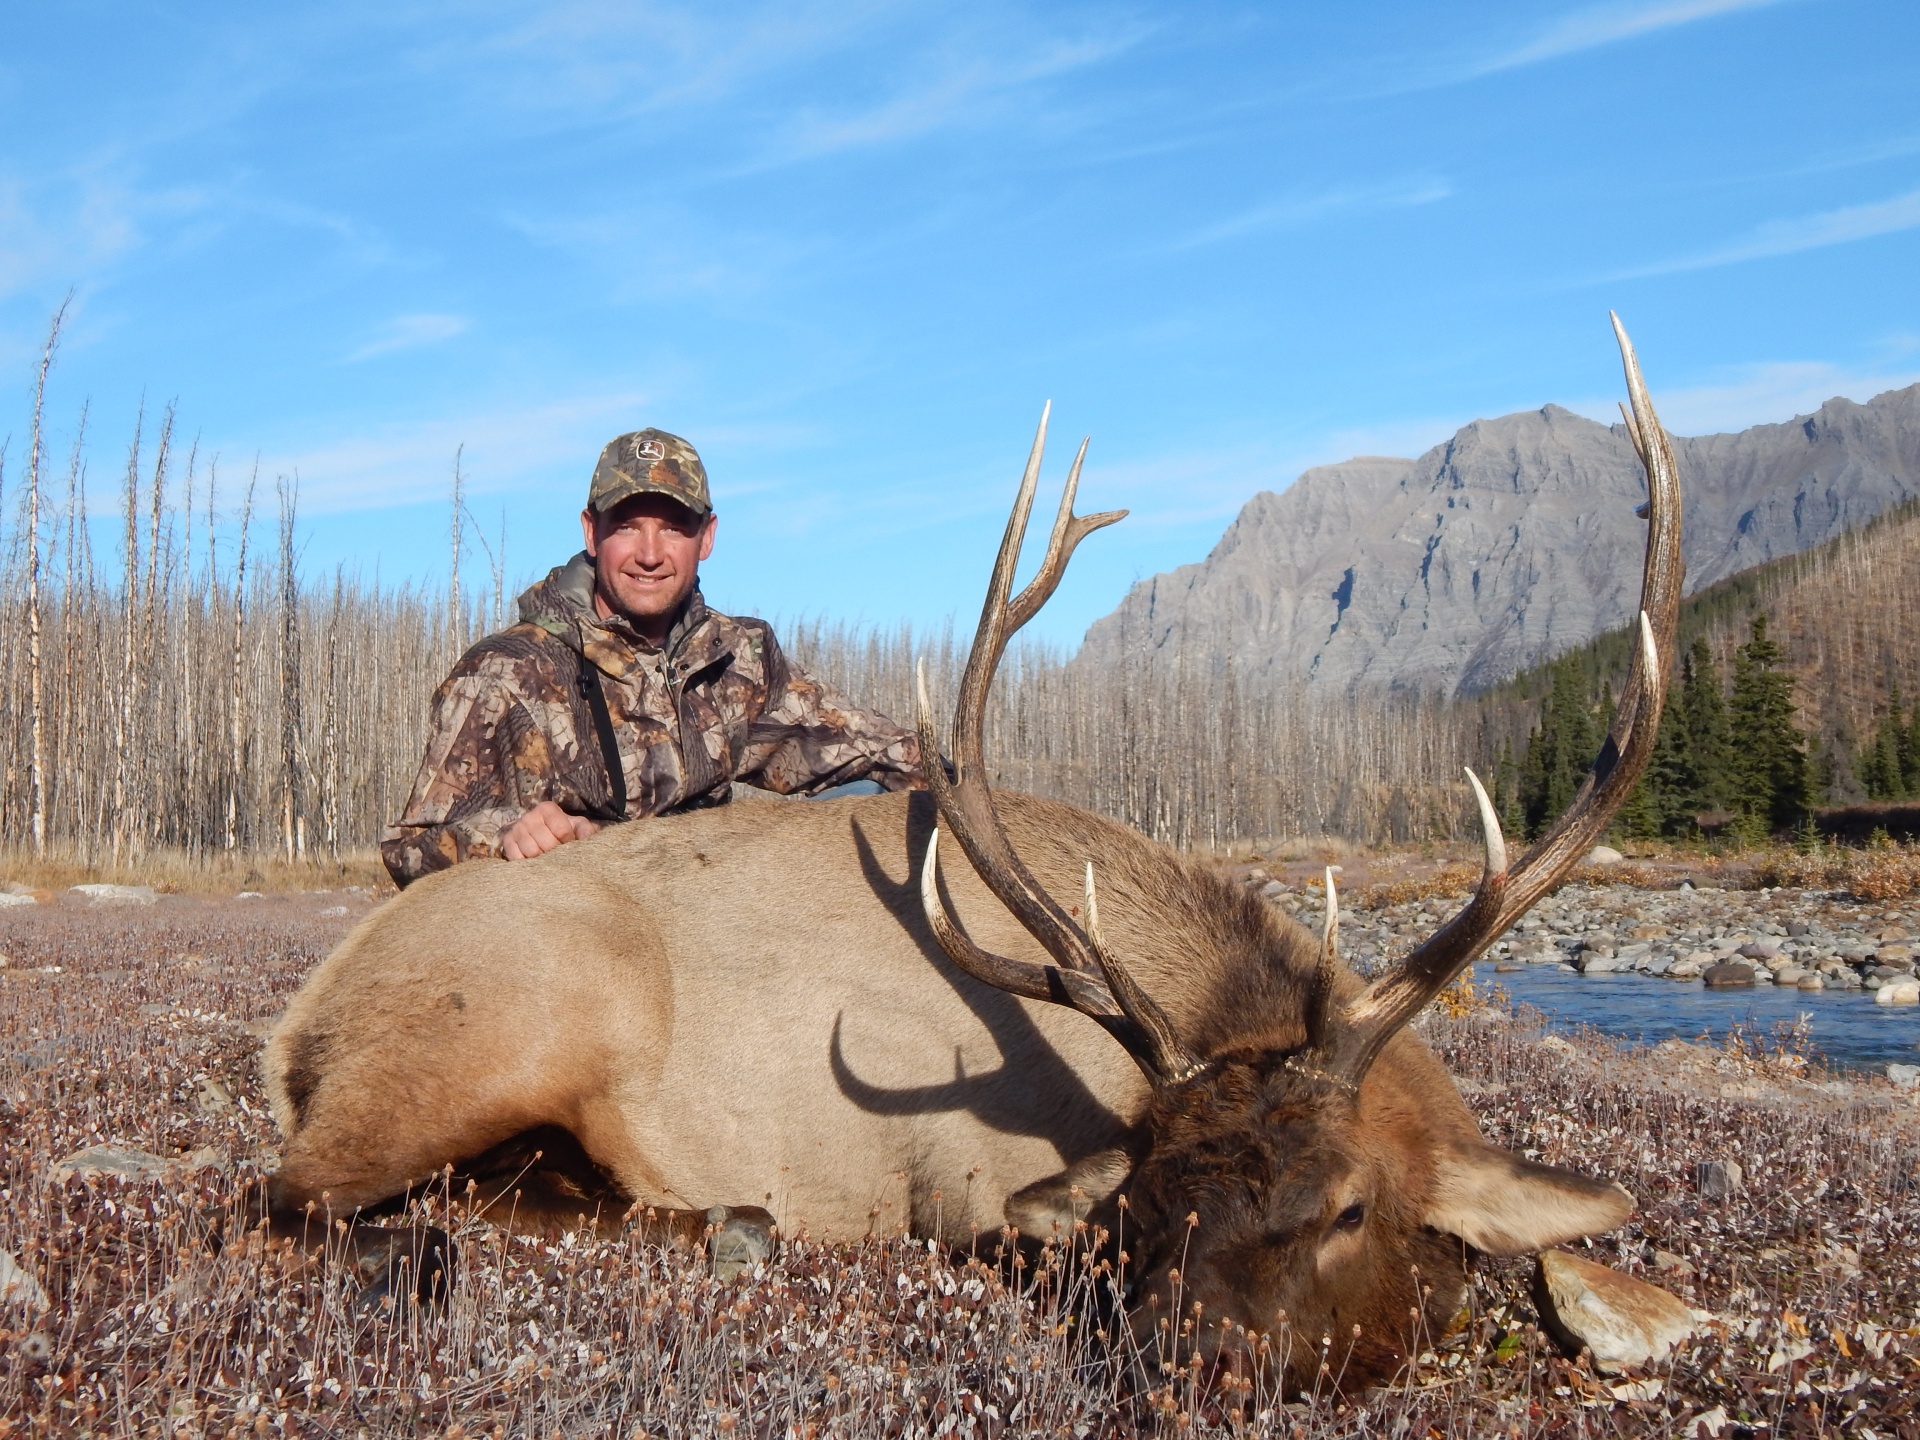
point(797, 1006)
point(746, 1005)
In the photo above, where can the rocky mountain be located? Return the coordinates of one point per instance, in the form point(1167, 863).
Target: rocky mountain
point(1510, 543)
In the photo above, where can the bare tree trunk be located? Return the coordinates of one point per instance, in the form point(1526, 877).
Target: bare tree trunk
point(329, 731)
point(453, 585)
point(236, 740)
point(293, 819)
point(129, 596)
point(36, 688)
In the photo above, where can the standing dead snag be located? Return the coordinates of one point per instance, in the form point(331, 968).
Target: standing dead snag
point(798, 1004)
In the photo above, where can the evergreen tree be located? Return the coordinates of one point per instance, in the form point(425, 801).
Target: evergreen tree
point(1879, 767)
point(1506, 791)
point(1703, 746)
point(1912, 762)
point(1561, 750)
point(1906, 744)
point(1887, 767)
point(1769, 770)
point(1659, 803)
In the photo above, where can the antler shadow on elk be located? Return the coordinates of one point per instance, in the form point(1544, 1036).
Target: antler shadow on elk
point(757, 1004)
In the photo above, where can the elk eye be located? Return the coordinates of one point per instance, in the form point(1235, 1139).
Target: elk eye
point(1350, 1218)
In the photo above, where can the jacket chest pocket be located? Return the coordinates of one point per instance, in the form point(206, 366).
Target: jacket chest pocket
point(715, 716)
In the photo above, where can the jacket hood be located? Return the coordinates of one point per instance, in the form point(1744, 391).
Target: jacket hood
point(565, 597)
point(562, 605)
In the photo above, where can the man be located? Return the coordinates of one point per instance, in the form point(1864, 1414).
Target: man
point(619, 694)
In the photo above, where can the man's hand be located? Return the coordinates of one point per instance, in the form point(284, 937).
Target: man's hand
point(545, 827)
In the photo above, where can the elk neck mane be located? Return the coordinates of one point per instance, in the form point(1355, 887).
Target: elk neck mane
point(1230, 972)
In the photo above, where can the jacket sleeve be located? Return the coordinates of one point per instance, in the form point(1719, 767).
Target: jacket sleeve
point(808, 737)
point(486, 765)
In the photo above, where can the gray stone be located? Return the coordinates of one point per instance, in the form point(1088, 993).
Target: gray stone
point(7, 900)
point(1898, 992)
point(1810, 981)
point(1273, 890)
point(1904, 1077)
point(1717, 1179)
point(1604, 855)
point(1623, 1321)
point(117, 894)
point(122, 1162)
point(1667, 1263)
point(1788, 975)
point(18, 1287)
point(210, 1097)
point(1727, 977)
point(1759, 949)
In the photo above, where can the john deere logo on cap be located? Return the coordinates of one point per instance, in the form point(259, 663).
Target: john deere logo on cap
point(647, 451)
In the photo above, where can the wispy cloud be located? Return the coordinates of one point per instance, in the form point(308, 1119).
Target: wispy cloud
point(509, 447)
point(1768, 393)
point(1295, 210)
point(66, 229)
point(1589, 28)
point(1608, 25)
point(972, 92)
point(1807, 232)
point(409, 332)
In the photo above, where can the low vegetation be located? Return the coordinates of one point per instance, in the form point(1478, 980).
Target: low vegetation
point(141, 1027)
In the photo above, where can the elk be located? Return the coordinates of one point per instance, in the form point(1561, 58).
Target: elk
point(798, 1014)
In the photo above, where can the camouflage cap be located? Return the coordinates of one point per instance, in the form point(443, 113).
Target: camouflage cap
point(649, 462)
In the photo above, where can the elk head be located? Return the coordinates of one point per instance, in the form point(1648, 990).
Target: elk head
point(1281, 1182)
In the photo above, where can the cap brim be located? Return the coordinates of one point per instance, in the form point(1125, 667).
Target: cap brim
point(603, 504)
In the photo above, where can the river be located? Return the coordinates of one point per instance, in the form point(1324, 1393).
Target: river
point(1845, 1027)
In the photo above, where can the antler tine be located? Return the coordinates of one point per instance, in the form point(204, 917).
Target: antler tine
point(1320, 1017)
point(990, 638)
point(1084, 993)
point(1085, 978)
point(1633, 433)
point(1172, 1061)
point(1506, 894)
point(1069, 530)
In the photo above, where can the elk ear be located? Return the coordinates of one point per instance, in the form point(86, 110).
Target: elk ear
point(1504, 1205)
point(1069, 1196)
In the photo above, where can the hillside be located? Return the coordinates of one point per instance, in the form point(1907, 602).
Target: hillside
point(1514, 541)
point(1847, 613)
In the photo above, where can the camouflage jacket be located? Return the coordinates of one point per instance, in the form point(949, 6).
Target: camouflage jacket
point(719, 702)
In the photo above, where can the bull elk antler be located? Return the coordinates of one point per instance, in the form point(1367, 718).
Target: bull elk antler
point(1343, 1039)
point(1089, 977)
point(1346, 1038)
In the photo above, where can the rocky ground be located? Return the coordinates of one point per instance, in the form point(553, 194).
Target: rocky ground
point(1779, 1206)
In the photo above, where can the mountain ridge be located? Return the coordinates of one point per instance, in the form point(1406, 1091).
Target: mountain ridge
point(1512, 541)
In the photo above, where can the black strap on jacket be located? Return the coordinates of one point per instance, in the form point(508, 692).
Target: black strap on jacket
point(593, 689)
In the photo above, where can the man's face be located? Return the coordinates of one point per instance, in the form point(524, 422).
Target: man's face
point(646, 557)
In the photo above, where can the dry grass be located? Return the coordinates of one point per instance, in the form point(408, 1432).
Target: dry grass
point(142, 1028)
point(175, 872)
point(1884, 871)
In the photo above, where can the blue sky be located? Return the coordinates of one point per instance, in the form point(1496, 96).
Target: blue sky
point(849, 249)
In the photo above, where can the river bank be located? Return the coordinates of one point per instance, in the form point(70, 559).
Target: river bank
point(1634, 962)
